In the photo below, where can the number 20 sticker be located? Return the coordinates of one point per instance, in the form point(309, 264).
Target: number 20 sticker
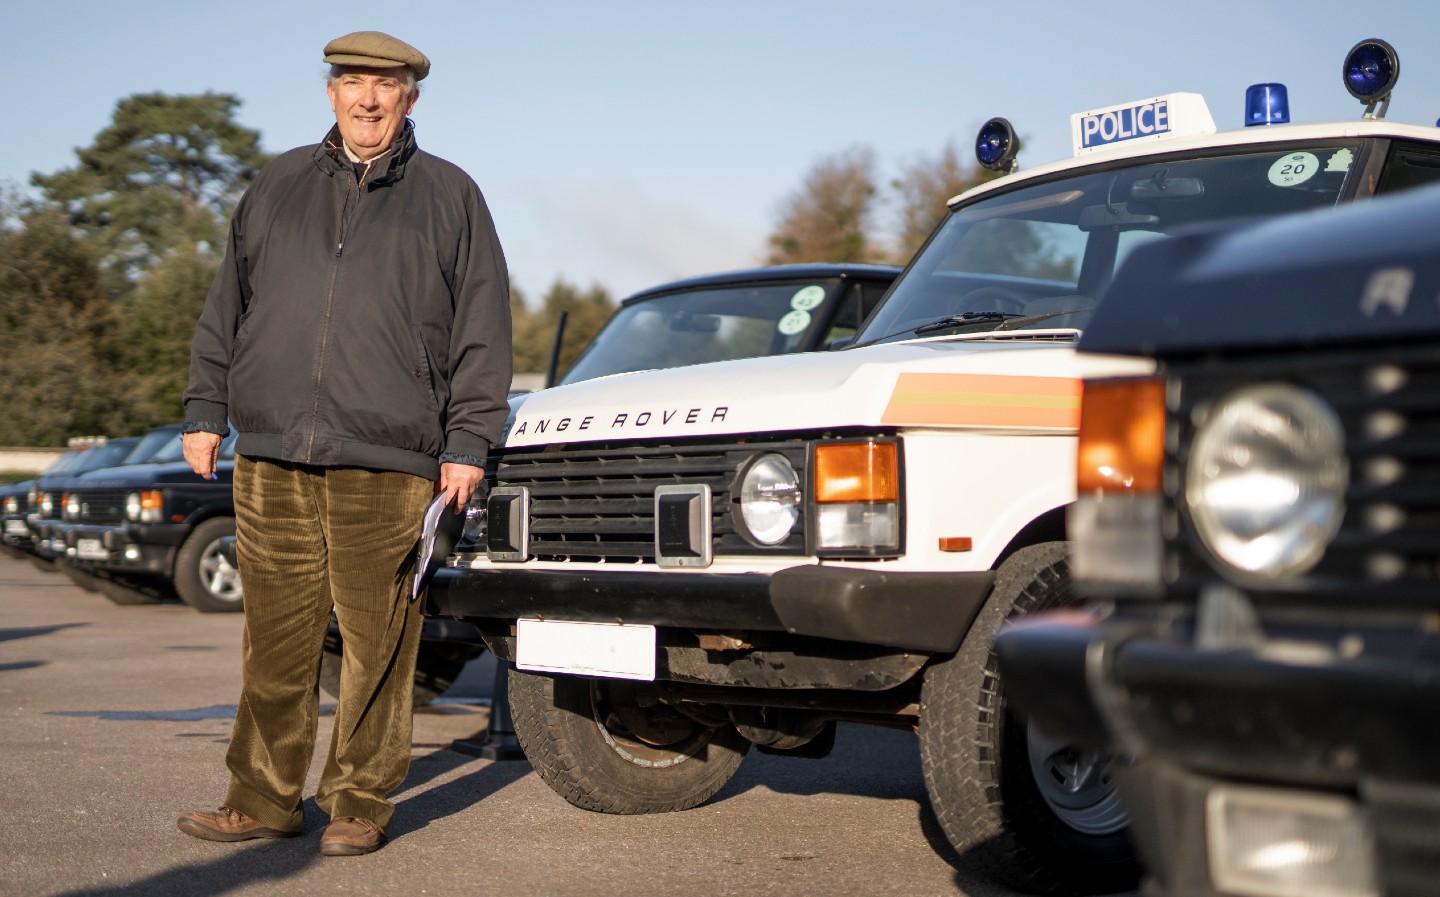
point(1294, 169)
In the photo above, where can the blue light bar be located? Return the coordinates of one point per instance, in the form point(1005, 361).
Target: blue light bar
point(1266, 104)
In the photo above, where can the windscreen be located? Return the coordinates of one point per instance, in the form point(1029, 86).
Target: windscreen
point(696, 326)
point(1035, 257)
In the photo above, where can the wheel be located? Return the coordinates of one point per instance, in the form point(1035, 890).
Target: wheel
point(601, 745)
point(437, 666)
point(82, 578)
point(1039, 816)
point(124, 592)
point(204, 576)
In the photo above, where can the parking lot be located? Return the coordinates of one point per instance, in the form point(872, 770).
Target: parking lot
point(115, 719)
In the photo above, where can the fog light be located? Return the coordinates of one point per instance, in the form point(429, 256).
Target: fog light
point(1277, 843)
point(132, 552)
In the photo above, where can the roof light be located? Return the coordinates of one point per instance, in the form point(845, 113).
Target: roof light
point(1266, 104)
point(995, 146)
point(1371, 69)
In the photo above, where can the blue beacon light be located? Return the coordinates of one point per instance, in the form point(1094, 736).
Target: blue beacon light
point(995, 145)
point(1371, 69)
point(1266, 104)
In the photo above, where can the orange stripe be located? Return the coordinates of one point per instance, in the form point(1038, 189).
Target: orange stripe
point(985, 400)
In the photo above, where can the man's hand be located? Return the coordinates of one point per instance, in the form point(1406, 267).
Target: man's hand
point(202, 450)
point(458, 482)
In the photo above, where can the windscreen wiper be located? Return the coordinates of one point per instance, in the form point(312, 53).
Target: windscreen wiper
point(965, 318)
point(1015, 322)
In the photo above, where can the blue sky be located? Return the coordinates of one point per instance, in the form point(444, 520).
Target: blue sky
point(630, 143)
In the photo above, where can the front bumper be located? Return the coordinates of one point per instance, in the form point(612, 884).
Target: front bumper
point(129, 548)
point(1360, 724)
point(921, 612)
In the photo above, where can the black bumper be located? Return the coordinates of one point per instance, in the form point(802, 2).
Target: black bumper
point(154, 544)
point(1191, 720)
point(923, 612)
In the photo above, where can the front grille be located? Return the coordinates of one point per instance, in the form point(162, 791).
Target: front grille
point(596, 502)
point(1388, 547)
point(105, 507)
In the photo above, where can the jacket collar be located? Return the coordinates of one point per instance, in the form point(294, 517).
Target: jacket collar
point(330, 155)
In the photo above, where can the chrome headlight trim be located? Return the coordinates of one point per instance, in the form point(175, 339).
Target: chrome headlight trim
point(1266, 477)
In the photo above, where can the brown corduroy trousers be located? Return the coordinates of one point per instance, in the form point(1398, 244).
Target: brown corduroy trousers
point(309, 539)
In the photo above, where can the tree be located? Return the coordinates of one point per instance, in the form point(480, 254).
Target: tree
point(59, 337)
point(158, 326)
point(829, 219)
point(922, 190)
point(168, 169)
point(534, 331)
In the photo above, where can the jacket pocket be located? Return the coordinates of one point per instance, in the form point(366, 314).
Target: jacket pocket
point(423, 371)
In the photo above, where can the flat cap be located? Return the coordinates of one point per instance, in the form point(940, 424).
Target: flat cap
point(378, 50)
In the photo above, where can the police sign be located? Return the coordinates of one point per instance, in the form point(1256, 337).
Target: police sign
point(1158, 118)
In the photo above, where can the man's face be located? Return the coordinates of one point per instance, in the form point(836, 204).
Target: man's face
point(370, 108)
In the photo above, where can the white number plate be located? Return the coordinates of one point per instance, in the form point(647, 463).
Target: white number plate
point(91, 549)
point(16, 527)
point(606, 650)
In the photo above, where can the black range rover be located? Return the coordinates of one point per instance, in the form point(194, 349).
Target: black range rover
point(158, 521)
point(1259, 527)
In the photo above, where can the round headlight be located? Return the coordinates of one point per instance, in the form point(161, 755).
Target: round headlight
point(47, 504)
point(1266, 479)
point(132, 506)
point(769, 499)
point(72, 506)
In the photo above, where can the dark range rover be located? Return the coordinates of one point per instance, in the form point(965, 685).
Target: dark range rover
point(1259, 524)
point(156, 523)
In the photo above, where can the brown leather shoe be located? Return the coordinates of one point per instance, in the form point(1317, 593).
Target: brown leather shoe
point(226, 824)
point(350, 836)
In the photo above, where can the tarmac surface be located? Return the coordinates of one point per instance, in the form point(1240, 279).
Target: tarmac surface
point(114, 719)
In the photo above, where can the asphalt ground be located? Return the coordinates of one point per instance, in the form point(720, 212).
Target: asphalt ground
point(114, 719)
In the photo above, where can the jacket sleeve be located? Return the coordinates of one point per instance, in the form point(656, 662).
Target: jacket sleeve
point(480, 355)
point(207, 396)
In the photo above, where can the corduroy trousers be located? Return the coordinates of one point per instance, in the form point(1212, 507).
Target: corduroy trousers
point(310, 539)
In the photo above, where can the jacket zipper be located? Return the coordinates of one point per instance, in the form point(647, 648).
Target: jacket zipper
point(358, 192)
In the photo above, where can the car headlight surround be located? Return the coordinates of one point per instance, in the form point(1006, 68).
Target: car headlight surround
point(1266, 478)
point(770, 499)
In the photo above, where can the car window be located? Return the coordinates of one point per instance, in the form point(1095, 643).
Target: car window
point(696, 326)
point(1047, 249)
point(1410, 166)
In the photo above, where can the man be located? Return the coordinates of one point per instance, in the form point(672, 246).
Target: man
point(358, 337)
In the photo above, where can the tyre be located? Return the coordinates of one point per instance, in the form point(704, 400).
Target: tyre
point(600, 745)
point(82, 578)
point(125, 592)
point(204, 576)
point(437, 666)
point(1041, 817)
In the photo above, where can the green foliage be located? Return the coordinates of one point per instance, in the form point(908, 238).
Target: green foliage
point(534, 331)
point(167, 170)
point(59, 337)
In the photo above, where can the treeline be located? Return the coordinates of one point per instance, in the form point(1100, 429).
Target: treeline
point(104, 270)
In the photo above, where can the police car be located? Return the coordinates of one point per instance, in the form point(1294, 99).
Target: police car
point(684, 564)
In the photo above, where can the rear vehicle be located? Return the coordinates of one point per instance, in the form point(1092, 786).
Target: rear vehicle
point(684, 564)
point(47, 495)
point(1257, 525)
point(157, 523)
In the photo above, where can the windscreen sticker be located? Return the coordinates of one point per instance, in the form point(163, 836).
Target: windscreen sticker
point(1294, 169)
point(1340, 160)
point(794, 322)
point(807, 298)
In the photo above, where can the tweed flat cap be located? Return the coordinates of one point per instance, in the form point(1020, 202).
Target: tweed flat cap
point(377, 49)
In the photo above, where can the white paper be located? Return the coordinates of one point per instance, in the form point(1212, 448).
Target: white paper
point(428, 525)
